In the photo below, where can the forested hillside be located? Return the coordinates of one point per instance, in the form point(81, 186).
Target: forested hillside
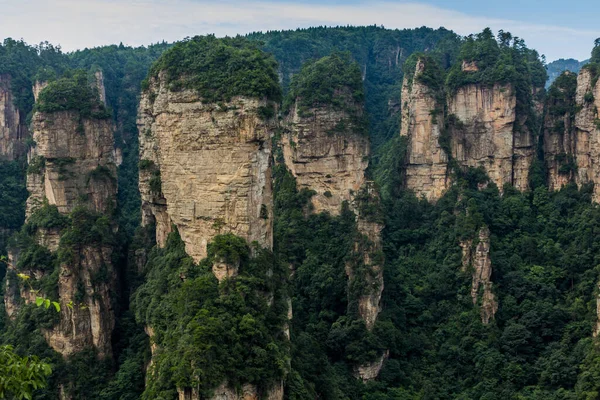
point(258, 218)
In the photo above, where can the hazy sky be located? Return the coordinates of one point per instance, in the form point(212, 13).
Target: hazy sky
point(557, 29)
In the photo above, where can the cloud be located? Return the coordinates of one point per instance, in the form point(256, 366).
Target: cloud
point(77, 24)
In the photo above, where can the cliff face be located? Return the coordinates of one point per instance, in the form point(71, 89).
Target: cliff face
point(72, 163)
point(587, 131)
point(476, 256)
point(481, 129)
point(485, 135)
point(572, 132)
point(13, 129)
point(72, 168)
point(327, 152)
point(322, 152)
point(204, 167)
point(559, 137)
point(426, 161)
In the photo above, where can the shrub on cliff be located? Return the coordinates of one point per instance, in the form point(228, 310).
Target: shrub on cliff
point(335, 81)
point(219, 69)
point(72, 93)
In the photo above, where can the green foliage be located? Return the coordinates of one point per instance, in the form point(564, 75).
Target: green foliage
point(219, 69)
point(319, 248)
point(333, 80)
point(432, 74)
point(588, 97)
point(20, 62)
point(207, 332)
point(557, 67)
point(560, 98)
point(379, 52)
point(46, 217)
point(146, 164)
point(36, 165)
point(20, 377)
point(74, 92)
point(101, 173)
point(155, 182)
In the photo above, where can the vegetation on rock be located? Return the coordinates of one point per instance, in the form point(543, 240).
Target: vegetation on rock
point(219, 69)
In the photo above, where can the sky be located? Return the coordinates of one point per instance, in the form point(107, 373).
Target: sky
point(557, 29)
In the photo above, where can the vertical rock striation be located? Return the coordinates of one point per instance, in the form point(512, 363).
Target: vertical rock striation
point(476, 256)
point(72, 169)
point(13, 129)
point(72, 162)
point(486, 133)
point(204, 167)
point(560, 139)
point(325, 154)
point(426, 170)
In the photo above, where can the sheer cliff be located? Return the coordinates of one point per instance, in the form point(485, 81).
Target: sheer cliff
point(64, 253)
point(205, 179)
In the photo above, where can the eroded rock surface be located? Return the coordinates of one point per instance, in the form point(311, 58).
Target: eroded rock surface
point(13, 129)
point(477, 257)
point(426, 161)
point(205, 168)
point(325, 154)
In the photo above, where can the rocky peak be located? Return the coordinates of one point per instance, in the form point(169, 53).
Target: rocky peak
point(13, 129)
point(422, 123)
point(72, 182)
point(205, 167)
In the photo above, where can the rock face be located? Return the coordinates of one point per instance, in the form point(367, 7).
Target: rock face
point(572, 133)
point(325, 157)
point(559, 136)
point(205, 168)
point(327, 153)
point(223, 392)
point(484, 134)
point(481, 129)
point(426, 161)
point(13, 129)
point(72, 165)
point(477, 257)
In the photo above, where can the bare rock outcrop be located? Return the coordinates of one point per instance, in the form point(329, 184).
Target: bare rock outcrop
point(587, 131)
point(224, 392)
point(13, 129)
point(484, 134)
point(72, 162)
point(325, 154)
point(205, 168)
point(476, 256)
point(560, 139)
point(72, 168)
point(426, 161)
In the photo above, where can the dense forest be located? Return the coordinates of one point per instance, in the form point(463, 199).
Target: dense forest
point(545, 245)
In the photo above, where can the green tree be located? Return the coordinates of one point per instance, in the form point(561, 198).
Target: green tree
point(20, 376)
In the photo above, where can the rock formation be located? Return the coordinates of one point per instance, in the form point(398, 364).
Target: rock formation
point(485, 135)
point(572, 131)
point(422, 123)
point(205, 168)
point(13, 129)
point(481, 129)
point(72, 162)
point(476, 256)
point(559, 136)
point(326, 149)
point(72, 168)
point(325, 154)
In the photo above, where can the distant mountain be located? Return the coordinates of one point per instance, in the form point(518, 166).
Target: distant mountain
point(555, 68)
